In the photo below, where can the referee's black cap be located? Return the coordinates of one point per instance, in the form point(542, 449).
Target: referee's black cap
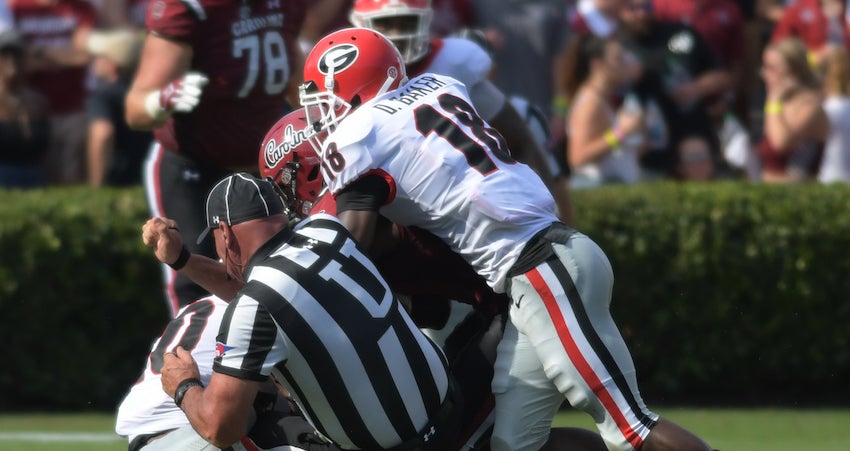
point(238, 198)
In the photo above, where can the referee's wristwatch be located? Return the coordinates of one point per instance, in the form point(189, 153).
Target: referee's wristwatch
point(184, 387)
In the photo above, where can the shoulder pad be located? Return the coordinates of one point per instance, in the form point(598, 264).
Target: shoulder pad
point(353, 131)
point(462, 59)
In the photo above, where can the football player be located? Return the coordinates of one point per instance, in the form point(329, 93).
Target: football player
point(407, 23)
point(150, 419)
point(421, 266)
point(414, 262)
point(417, 153)
point(211, 81)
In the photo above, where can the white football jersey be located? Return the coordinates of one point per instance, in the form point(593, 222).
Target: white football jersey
point(450, 172)
point(468, 63)
point(147, 409)
point(460, 59)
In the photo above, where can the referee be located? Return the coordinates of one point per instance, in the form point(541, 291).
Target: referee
point(315, 315)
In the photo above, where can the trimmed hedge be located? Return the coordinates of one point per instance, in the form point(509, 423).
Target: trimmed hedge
point(81, 297)
point(730, 292)
point(726, 293)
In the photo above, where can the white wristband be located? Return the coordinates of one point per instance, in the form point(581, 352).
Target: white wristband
point(154, 109)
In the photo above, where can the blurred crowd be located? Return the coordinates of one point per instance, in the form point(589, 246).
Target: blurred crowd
point(621, 91)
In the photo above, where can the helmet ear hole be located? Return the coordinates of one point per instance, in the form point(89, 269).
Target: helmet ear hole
point(314, 174)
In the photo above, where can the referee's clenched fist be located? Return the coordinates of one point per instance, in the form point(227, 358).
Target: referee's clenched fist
point(162, 235)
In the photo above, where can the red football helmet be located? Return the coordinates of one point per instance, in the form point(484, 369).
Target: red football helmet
point(406, 22)
point(293, 166)
point(346, 69)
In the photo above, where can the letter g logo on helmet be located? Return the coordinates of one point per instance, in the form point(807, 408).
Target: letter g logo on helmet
point(338, 58)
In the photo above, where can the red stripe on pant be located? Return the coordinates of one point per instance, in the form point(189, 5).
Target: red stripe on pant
point(576, 356)
point(249, 444)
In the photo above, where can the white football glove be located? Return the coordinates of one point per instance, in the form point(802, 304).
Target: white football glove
point(181, 95)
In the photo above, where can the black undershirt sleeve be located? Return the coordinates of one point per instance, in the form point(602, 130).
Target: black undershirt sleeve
point(369, 192)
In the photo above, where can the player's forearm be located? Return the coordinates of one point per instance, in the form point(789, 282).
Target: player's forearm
point(362, 226)
point(521, 142)
point(136, 111)
point(584, 150)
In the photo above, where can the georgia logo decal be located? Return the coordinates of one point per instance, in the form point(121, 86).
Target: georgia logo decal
point(338, 58)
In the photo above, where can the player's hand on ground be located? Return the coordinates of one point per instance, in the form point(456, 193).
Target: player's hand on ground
point(163, 236)
point(177, 366)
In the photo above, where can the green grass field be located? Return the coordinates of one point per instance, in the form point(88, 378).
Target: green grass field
point(725, 429)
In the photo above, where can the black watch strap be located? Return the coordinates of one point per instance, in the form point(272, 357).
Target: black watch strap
point(183, 387)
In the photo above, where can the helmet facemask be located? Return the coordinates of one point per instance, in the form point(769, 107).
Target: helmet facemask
point(324, 109)
point(346, 69)
point(286, 184)
point(408, 29)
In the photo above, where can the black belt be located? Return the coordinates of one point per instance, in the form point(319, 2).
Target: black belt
point(442, 428)
point(142, 440)
point(538, 248)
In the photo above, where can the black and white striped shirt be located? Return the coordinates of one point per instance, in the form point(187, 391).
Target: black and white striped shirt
point(317, 315)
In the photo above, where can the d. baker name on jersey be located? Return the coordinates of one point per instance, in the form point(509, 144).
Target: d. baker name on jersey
point(250, 25)
point(416, 89)
point(292, 138)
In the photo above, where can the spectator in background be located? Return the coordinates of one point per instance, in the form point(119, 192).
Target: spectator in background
point(598, 17)
point(604, 143)
point(529, 36)
point(6, 19)
point(695, 160)
point(835, 166)
point(771, 11)
point(121, 13)
point(212, 79)
point(819, 24)
point(678, 75)
point(719, 22)
point(24, 128)
point(795, 124)
point(721, 25)
point(115, 152)
point(739, 159)
point(57, 60)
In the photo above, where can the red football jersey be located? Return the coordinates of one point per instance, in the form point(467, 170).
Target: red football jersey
point(805, 20)
point(246, 49)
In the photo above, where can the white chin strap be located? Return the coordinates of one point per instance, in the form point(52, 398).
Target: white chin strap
point(386, 86)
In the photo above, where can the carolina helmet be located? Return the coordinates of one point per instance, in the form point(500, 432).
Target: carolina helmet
point(344, 70)
point(406, 22)
point(291, 164)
